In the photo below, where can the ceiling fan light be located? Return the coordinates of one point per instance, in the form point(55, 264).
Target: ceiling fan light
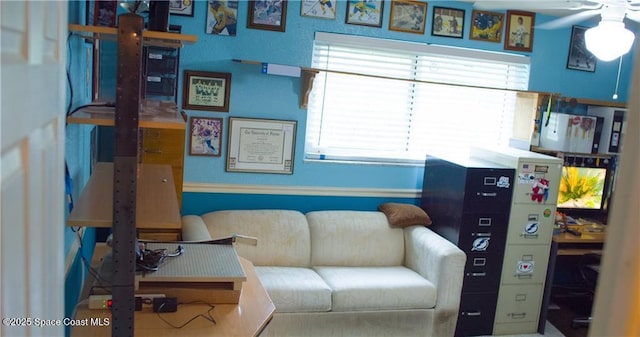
point(608, 40)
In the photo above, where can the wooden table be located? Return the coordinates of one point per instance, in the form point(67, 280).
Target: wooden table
point(247, 318)
point(157, 212)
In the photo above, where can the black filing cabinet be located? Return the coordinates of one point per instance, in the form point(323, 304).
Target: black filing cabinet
point(468, 200)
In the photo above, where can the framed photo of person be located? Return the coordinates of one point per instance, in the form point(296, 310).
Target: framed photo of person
point(447, 22)
point(519, 31)
point(408, 16)
point(261, 145)
point(322, 9)
point(205, 136)
point(579, 57)
point(204, 90)
point(181, 7)
point(365, 12)
point(222, 17)
point(268, 15)
point(486, 26)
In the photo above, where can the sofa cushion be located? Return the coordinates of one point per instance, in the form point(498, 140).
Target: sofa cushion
point(377, 288)
point(404, 215)
point(295, 289)
point(283, 235)
point(354, 238)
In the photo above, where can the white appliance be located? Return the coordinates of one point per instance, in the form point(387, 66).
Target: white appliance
point(568, 133)
point(612, 126)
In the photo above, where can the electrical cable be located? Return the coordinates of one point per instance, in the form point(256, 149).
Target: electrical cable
point(150, 260)
point(69, 53)
point(208, 316)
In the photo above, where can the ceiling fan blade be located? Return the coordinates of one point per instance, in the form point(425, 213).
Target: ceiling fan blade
point(569, 20)
point(535, 5)
point(633, 15)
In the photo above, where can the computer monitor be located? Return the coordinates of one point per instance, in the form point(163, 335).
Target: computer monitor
point(585, 187)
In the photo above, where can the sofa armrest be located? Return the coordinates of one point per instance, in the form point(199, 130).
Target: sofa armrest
point(194, 229)
point(442, 263)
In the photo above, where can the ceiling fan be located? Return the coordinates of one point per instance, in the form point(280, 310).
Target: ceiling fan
point(607, 41)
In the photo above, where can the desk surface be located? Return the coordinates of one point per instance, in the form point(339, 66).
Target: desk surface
point(569, 244)
point(247, 318)
point(156, 203)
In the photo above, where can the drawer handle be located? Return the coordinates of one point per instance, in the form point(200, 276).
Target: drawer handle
point(528, 276)
point(488, 194)
point(472, 313)
point(481, 234)
point(518, 315)
point(477, 274)
point(156, 151)
point(530, 236)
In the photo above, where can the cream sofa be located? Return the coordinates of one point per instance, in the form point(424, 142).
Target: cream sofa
point(345, 273)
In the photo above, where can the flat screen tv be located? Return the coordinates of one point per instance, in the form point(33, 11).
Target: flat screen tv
point(582, 187)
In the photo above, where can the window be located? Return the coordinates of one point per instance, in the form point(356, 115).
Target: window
point(400, 111)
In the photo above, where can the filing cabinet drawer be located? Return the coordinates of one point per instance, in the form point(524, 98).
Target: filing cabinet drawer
point(477, 312)
point(488, 190)
point(483, 233)
point(519, 303)
point(482, 272)
point(525, 264)
point(530, 224)
point(515, 328)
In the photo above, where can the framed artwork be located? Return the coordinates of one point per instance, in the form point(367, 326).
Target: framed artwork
point(486, 26)
point(408, 16)
point(323, 9)
point(268, 15)
point(181, 7)
point(261, 145)
point(519, 31)
point(579, 57)
point(222, 17)
point(205, 136)
point(105, 13)
point(204, 90)
point(447, 22)
point(365, 12)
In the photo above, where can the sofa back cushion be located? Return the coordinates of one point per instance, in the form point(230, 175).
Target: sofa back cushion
point(354, 238)
point(283, 235)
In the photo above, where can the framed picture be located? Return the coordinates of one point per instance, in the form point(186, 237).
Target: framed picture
point(447, 22)
point(261, 145)
point(222, 17)
point(268, 15)
point(486, 26)
point(519, 31)
point(408, 16)
point(205, 136)
point(105, 13)
point(579, 57)
point(181, 7)
point(204, 90)
point(365, 12)
point(323, 9)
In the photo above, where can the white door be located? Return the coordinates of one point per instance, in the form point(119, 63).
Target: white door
point(32, 165)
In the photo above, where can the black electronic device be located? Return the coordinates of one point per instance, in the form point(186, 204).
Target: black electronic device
point(165, 304)
point(585, 186)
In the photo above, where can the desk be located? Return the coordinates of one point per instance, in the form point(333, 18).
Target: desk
point(247, 318)
point(157, 212)
point(567, 244)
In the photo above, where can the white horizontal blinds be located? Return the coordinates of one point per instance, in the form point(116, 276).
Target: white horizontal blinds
point(370, 118)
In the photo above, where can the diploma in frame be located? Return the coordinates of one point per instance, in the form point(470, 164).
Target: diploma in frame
point(261, 145)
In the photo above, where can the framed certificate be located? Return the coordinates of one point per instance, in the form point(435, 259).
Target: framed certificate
point(261, 145)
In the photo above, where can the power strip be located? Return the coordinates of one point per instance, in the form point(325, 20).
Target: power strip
point(106, 301)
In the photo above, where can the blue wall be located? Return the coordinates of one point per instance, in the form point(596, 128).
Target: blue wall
point(275, 97)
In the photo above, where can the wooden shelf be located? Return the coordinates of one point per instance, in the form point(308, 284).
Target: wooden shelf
point(149, 37)
point(156, 206)
point(154, 114)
